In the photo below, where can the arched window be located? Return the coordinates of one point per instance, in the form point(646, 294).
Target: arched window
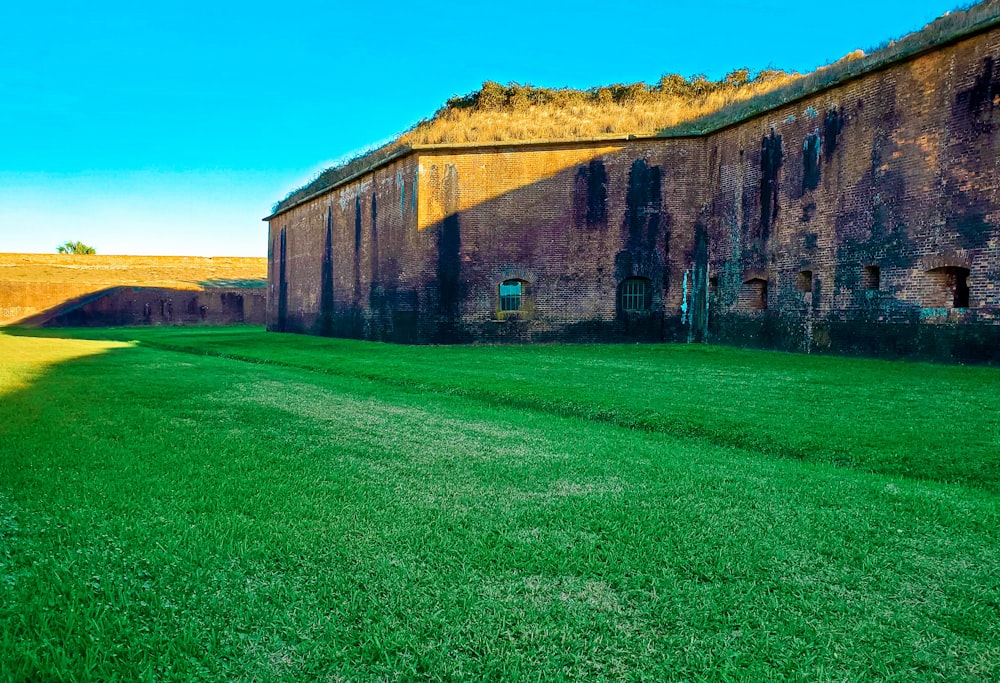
point(635, 294)
point(512, 295)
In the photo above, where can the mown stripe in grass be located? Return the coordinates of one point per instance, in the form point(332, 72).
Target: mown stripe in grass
point(199, 518)
point(902, 429)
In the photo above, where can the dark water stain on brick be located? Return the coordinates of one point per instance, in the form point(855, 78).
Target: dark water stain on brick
point(811, 150)
point(654, 207)
point(357, 224)
point(357, 251)
point(449, 268)
point(449, 264)
point(642, 200)
point(353, 318)
point(450, 189)
point(874, 231)
point(406, 317)
point(967, 200)
point(283, 281)
point(984, 90)
point(975, 106)
point(597, 194)
point(326, 275)
point(889, 247)
point(763, 329)
point(969, 222)
point(387, 300)
point(663, 252)
point(580, 184)
point(748, 200)
point(699, 284)
point(974, 341)
point(635, 201)
point(644, 224)
point(374, 239)
point(233, 305)
point(770, 166)
point(833, 124)
point(625, 265)
point(379, 296)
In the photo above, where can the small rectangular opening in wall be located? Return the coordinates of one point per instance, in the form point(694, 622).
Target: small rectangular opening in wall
point(949, 288)
point(713, 284)
point(804, 282)
point(871, 277)
point(753, 294)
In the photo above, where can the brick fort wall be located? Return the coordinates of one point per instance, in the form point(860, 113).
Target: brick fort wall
point(860, 218)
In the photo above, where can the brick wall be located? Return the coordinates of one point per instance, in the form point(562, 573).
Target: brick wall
point(571, 222)
point(886, 193)
point(350, 262)
point(45, 289)
point(120, 306)
point(860, 218)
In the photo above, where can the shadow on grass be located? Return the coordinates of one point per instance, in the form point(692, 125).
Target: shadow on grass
point(874, 416)
point(154, 526)
point(25, 361)
point(109, 488)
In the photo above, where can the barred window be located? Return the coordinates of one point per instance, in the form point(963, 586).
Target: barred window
point(634, 295)
point(511, 293)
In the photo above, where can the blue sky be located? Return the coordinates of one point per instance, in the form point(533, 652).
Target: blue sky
point(171, 128)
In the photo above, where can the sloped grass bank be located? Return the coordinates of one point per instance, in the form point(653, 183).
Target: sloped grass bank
point(922, 420)
point(174, 516)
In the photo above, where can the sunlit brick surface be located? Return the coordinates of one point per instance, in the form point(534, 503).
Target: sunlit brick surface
point(894, 172)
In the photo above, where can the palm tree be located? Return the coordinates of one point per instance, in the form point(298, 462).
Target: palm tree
point(75, 248)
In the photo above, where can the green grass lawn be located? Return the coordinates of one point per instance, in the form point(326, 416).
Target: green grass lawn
point(229, 504)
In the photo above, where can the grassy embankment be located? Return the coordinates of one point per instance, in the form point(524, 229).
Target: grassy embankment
point(350, 511)
point(524, 113)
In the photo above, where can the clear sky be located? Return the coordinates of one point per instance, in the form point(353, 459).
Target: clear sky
point(171, 128)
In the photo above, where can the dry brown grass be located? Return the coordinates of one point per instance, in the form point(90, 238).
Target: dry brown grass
point(590, 118)
point(942, 30)
point(97, 271)
point(516, 113)
point(676, 106)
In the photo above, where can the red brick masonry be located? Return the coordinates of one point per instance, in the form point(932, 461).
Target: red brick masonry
point(859, 218)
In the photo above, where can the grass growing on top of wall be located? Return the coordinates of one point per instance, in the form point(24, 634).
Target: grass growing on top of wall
point(174, 515)
point(941, 30)
point(673, 106)
point(522, 113)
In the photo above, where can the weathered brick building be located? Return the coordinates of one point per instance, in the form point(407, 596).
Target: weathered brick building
point(860, 216)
